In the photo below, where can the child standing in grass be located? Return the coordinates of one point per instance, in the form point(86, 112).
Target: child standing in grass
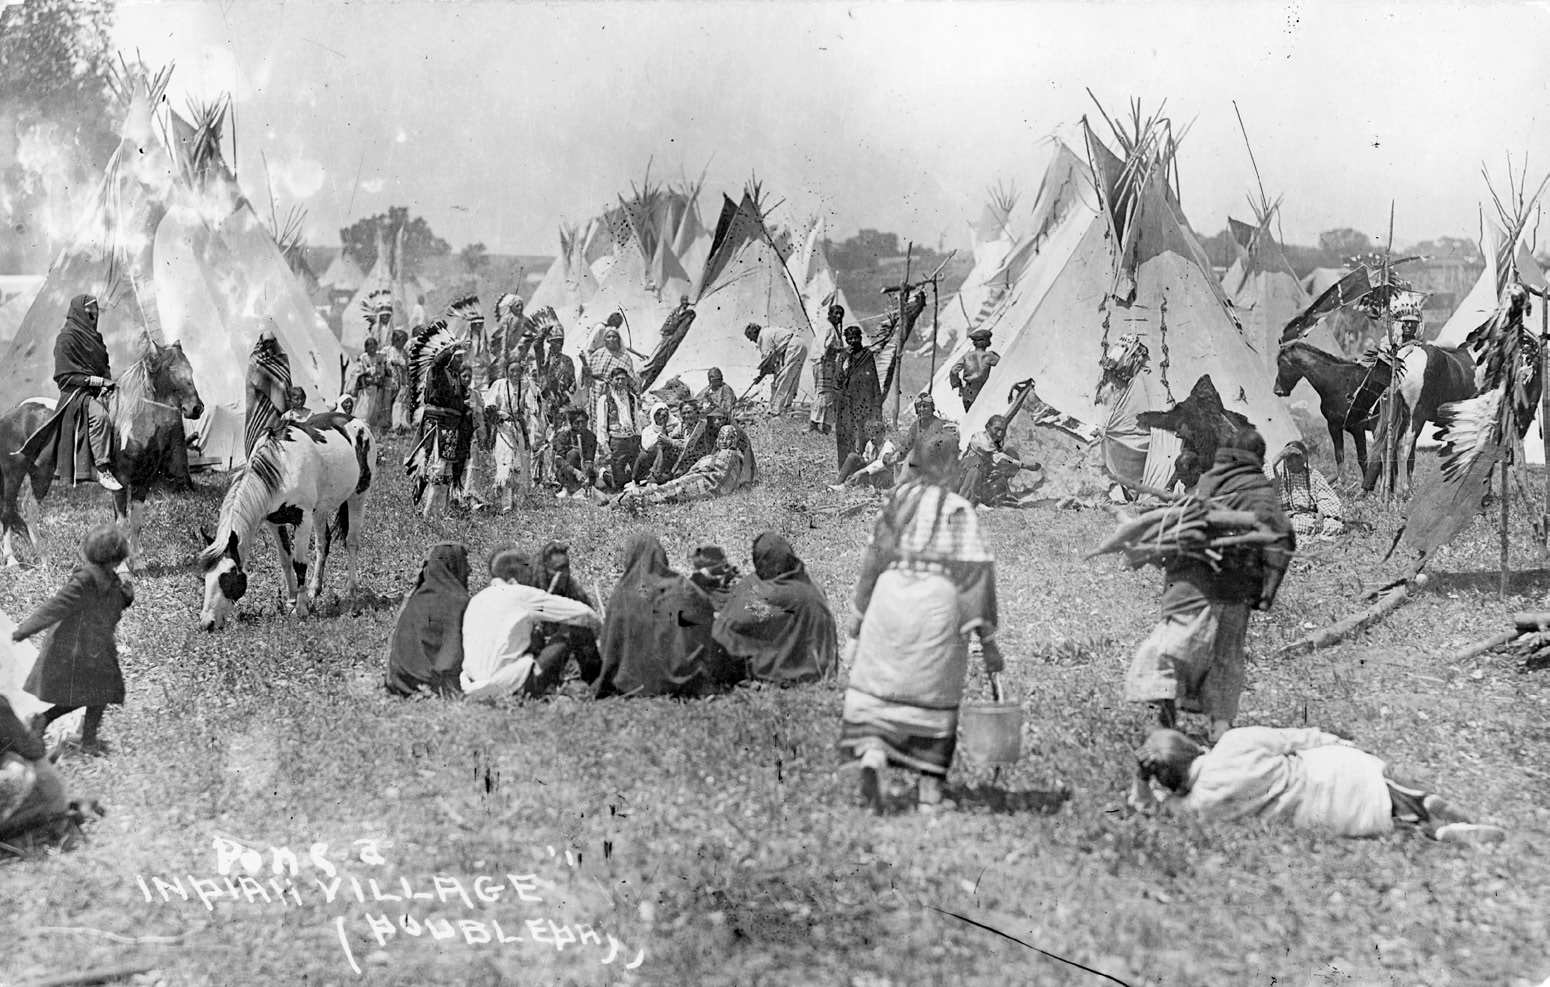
point(78, 665)
point(1309, 778)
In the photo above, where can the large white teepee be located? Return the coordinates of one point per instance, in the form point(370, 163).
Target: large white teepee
point(1134, 269)
point(992, 240)
point(343, 274)
point(744, 281)
point(1481, 303)
point(1265, 292)
point(154, 250)
point(1065, 206)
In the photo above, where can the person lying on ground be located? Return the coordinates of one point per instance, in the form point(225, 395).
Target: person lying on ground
point(78, 664)
point(657, 632)
point(498, 631)
point(1309, 778)
point(927, 582)
point(874, 465)
point(711, 571)
point(778, 620)
point(32, 794)
point(425, 650)
point(715, 475)
point(1306, 496)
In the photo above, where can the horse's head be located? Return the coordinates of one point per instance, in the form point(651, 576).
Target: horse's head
point(1288, 370)
point(225, 582)
point(172, 380)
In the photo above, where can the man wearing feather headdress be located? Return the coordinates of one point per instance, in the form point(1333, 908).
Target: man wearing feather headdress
point(377, 307)
point(441, 409)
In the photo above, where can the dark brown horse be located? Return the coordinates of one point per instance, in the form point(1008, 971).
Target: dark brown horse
point(146, 410)
point(1427, 378)
point(1336, 380)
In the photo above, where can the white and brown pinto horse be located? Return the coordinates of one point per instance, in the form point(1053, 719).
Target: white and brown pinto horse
point(146, 409)
point(312, 476)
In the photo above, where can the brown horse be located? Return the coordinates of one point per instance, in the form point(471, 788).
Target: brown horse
point(146, 410)
point(1336, 380)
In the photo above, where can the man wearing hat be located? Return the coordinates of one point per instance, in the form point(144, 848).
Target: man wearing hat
point(822, 418)
point(968, 375)
point(858, 395)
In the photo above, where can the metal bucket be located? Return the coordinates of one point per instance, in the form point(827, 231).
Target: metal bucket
point(991, 733)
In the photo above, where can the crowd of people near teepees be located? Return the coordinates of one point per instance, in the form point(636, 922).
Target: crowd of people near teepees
point(924, 601)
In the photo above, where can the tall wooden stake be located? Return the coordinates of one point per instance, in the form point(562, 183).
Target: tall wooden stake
point(1544, 412)
point(1391, 443)
point(898, 334)
point(1501, 589)
point(936, 315)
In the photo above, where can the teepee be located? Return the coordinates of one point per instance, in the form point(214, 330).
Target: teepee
point(1265, 292)
point(354, 322)
point(1065, 206)
point(568, 284)
point(744, 281)
point(1134, 277)
point(992, 240)
point(343, 274)
point(174, 256)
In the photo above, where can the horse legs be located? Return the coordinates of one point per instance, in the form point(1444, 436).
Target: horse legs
point(1337, 439)
point(1359, 440)
point(349, 525)
point(129, 512)
point(323, 542)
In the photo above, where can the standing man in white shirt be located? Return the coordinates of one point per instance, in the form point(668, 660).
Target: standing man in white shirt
point(498, 654)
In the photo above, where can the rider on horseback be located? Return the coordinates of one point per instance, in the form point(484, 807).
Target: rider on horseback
point(84, 377)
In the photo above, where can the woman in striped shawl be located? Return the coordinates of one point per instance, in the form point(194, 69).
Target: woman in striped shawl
point(927, 581)
point(269, 385)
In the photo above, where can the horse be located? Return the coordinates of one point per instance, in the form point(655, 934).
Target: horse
point(1428, 377)
point(146, 411)
point(321, 466)
point(1336, 380)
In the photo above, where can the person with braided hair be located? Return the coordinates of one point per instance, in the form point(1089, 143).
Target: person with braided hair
point(1306, 496)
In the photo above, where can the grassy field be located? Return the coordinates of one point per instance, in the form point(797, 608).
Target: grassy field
point(716, 842)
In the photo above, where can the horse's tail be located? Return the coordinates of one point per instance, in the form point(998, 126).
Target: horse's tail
point(364, 458)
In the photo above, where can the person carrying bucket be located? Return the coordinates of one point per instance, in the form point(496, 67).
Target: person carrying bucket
point(926, 583)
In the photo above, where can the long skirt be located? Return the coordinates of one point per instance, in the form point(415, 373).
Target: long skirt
point(513, 462)
point(1195, 659)
point(907, 680)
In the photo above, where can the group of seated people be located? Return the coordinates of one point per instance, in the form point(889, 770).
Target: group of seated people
point(985, 469)
point(533, 628)
point(691, 449)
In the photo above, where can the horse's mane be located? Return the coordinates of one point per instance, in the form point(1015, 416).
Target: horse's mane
point(247, 499)
point(1303, 346)
point(133, 392)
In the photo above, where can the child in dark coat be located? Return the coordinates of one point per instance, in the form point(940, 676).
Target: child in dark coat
point(78, 665)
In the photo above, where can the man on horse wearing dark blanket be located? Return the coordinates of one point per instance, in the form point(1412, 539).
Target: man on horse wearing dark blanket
point(78, 438)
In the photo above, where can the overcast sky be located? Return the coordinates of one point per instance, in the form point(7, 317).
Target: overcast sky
point(498, 120)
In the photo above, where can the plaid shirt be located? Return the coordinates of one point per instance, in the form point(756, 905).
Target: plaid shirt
point(939, 526)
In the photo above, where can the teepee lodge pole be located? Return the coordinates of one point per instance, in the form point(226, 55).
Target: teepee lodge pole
point(1544, 410)
point(1501, 589)
point(897, 357)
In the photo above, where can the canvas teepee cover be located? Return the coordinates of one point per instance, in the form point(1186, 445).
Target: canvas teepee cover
point(1133, 270)
point(161, 269)
point(1265, 293)
point(744, 281)
point(1066, 205)
point(992, 241)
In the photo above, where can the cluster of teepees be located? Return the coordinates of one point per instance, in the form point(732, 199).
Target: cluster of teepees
point(1114, 267)
point(1264, 290)
point(638, 257)
point(744, 280)
point(172, 248)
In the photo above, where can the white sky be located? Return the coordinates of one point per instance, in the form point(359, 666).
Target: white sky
point(497, 120)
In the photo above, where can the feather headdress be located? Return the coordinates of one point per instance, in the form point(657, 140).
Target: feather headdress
point(427, 347)
point(375, 303)
point(466, 308)
point(544, 323)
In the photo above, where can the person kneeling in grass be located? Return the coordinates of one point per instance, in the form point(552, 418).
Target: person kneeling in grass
point(1309, 778)
point(498, 654)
